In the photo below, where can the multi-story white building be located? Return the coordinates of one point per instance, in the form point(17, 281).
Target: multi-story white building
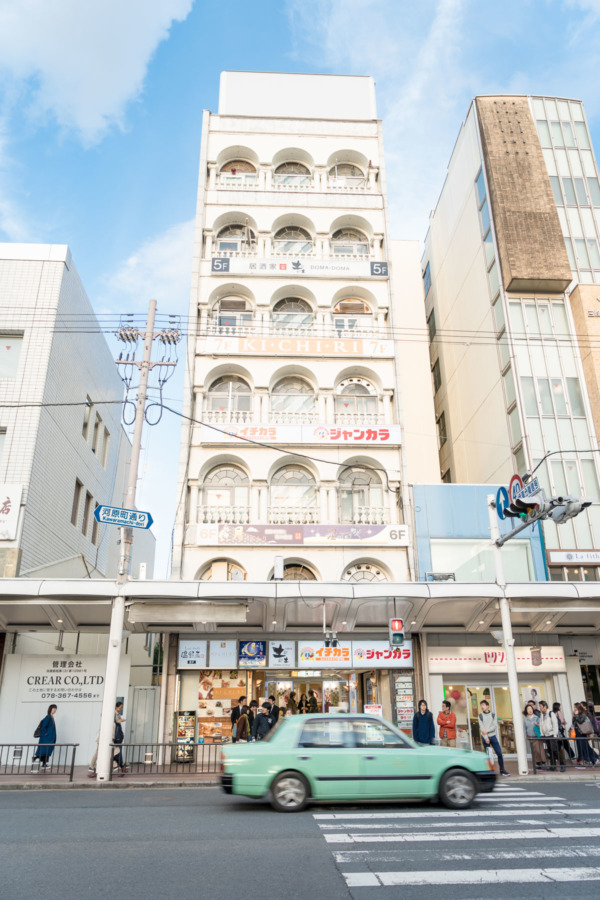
point(300, 372)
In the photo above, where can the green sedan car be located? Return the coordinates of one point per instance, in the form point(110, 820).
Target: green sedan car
point(350, 757)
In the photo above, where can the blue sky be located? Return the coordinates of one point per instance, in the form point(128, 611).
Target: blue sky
point(101, 105)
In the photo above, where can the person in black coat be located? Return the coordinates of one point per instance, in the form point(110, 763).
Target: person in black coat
point(262, 723)
point(274, 710)
point(252, 712)
point(236, 713)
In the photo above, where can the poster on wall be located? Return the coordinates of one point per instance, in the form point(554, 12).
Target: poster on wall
point(10, 504)
point(192, 654)
point(282, 654)
point(253, 654)
point(66, 678)
point(315, 655)
point(223, 654)
point(379, 655)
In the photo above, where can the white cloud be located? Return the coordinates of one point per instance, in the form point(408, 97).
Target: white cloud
point(160, 268)
point(84, 60)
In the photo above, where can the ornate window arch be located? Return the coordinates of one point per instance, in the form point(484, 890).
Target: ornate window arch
point(360, 496)
point(229, 398)
point(222, 570)
point(225, 495)
point(232, 313)
point(293, 239)
point(293, 496)
point(346, 170)
point(291, 173)
point(236, 237)
point(292, 400)
point(364, 572)
point(350, 241)
point(297, 572)
point(352, 315)
point(356, 400)
point(292, 312)
point(237, 167)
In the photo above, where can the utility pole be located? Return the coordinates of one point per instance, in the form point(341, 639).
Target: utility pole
point(115, 640)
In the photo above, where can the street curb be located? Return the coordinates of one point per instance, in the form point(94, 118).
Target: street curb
point(107, 785)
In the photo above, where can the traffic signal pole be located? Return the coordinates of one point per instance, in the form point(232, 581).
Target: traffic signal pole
point(508, 640)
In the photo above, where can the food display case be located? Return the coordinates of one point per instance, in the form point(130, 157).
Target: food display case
point(218, 693)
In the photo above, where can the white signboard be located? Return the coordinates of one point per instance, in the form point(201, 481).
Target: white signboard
point(10, 504)
point(282, 654)
point(575, 557)
point(482, 660)
point(303, 434)
point(373, 709)
point(295, 346)
point(192, 654)
point(379, 655)
point(223, 654)
point(303, 266)
point(315, 655)
point(62, 678)
point(297, 535)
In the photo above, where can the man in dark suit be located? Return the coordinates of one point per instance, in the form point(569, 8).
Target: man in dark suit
point(274, 711)
point(236, 713)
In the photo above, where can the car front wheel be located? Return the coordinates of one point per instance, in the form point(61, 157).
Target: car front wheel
point(289, 792)
point(458, 789)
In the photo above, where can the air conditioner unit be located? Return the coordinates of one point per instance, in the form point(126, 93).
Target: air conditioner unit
point(440, 576)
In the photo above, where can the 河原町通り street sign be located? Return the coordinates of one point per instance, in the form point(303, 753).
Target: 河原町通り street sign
point(126, 518)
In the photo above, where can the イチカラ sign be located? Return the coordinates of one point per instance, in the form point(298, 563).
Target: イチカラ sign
point(126, 518)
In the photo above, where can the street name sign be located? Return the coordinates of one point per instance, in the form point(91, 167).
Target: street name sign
point(126, 518)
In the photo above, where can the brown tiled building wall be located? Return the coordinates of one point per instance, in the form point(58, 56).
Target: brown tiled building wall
point(530, 242)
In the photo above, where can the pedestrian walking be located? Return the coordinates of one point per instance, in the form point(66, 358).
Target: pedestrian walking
point(447, 721)
point(549, 730)
point(243, 725)
point(235, 714)
point(564, 746)
point(533, 734)
point(488, 728)
point(583, 729)
point(94, 759)
point(274, 710)
point(302, 704)
point(423, 727)
point(313, 706)
point(46, 731)
point(291, 705)
point(118, 738)
point(262, 723)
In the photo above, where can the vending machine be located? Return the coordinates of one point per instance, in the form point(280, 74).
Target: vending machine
point(186, 735)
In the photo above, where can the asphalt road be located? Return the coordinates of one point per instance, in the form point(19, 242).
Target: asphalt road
point(523, 841)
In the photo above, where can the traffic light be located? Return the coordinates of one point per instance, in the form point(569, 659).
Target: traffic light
point(396, 632)
point(524, 507)
point(568, 507)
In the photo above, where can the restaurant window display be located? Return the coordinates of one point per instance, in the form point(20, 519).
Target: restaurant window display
point(218, 692)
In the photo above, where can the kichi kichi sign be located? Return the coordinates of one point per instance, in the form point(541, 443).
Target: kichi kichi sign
point(295, 346)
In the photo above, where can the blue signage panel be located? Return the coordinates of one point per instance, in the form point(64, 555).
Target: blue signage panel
point(126, 518)
point(502, 501)
point(253, 654)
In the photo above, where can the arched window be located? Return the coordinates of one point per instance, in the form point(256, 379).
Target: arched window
point(225, 495)
point(238, 171)
point(349, 241)
point(292, 312)
point(232, 313)
point(356, 401)
point(229, 399)
point(222, 570)
point(352, 314)
point(346, 175)
point(365, 572)
point(297, 572)
point(292, 400)
point(291, 173)
point(235, 238)
point(360, 497)
point(293, 496)
point(292, 239)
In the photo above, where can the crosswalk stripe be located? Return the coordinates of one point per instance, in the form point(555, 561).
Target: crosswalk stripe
point(357, 818)
point(403, 856)
point(437, 836)
point(472, 876)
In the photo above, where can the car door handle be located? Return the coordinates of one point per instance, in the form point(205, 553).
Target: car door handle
point(370, 757)
point(304, 757)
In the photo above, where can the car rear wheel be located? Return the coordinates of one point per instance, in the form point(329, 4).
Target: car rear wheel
point(458, 789)
point(289, 792)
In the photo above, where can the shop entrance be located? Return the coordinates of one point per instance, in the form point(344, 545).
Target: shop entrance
point(331, 691)
point(466, 700)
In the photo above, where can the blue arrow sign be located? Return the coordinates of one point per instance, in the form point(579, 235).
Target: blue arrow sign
point(502, 501)
point(126, 518)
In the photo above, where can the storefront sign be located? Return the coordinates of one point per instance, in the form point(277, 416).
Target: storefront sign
point(373, 709)
point(315, 655)
point(480, 660)
point(306, 267)
point(379, 655)
point(297, 535)
point(253, 654)
point(295, 346)
point(65, 678)
point(223, 654)
point(302, 434)
point(192, 654)
point(282, 654)
point(574, 557)
point(10, 504)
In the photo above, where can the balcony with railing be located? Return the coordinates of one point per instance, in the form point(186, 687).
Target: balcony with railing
point(293, 177)
point(293, 515)
point(223, 515)
point(369, 515)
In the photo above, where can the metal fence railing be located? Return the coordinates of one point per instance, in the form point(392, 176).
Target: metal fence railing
point(572, 753)
point(166, 759)
point(21, 759)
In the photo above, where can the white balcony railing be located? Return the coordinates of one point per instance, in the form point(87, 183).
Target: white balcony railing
point(354, 419)
point(348, 183)
point(367, 515)
point(292, 181)
point(227, 416)
point(293, 515)
point(285, 417)
point(241, 180)
point(224, 515)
